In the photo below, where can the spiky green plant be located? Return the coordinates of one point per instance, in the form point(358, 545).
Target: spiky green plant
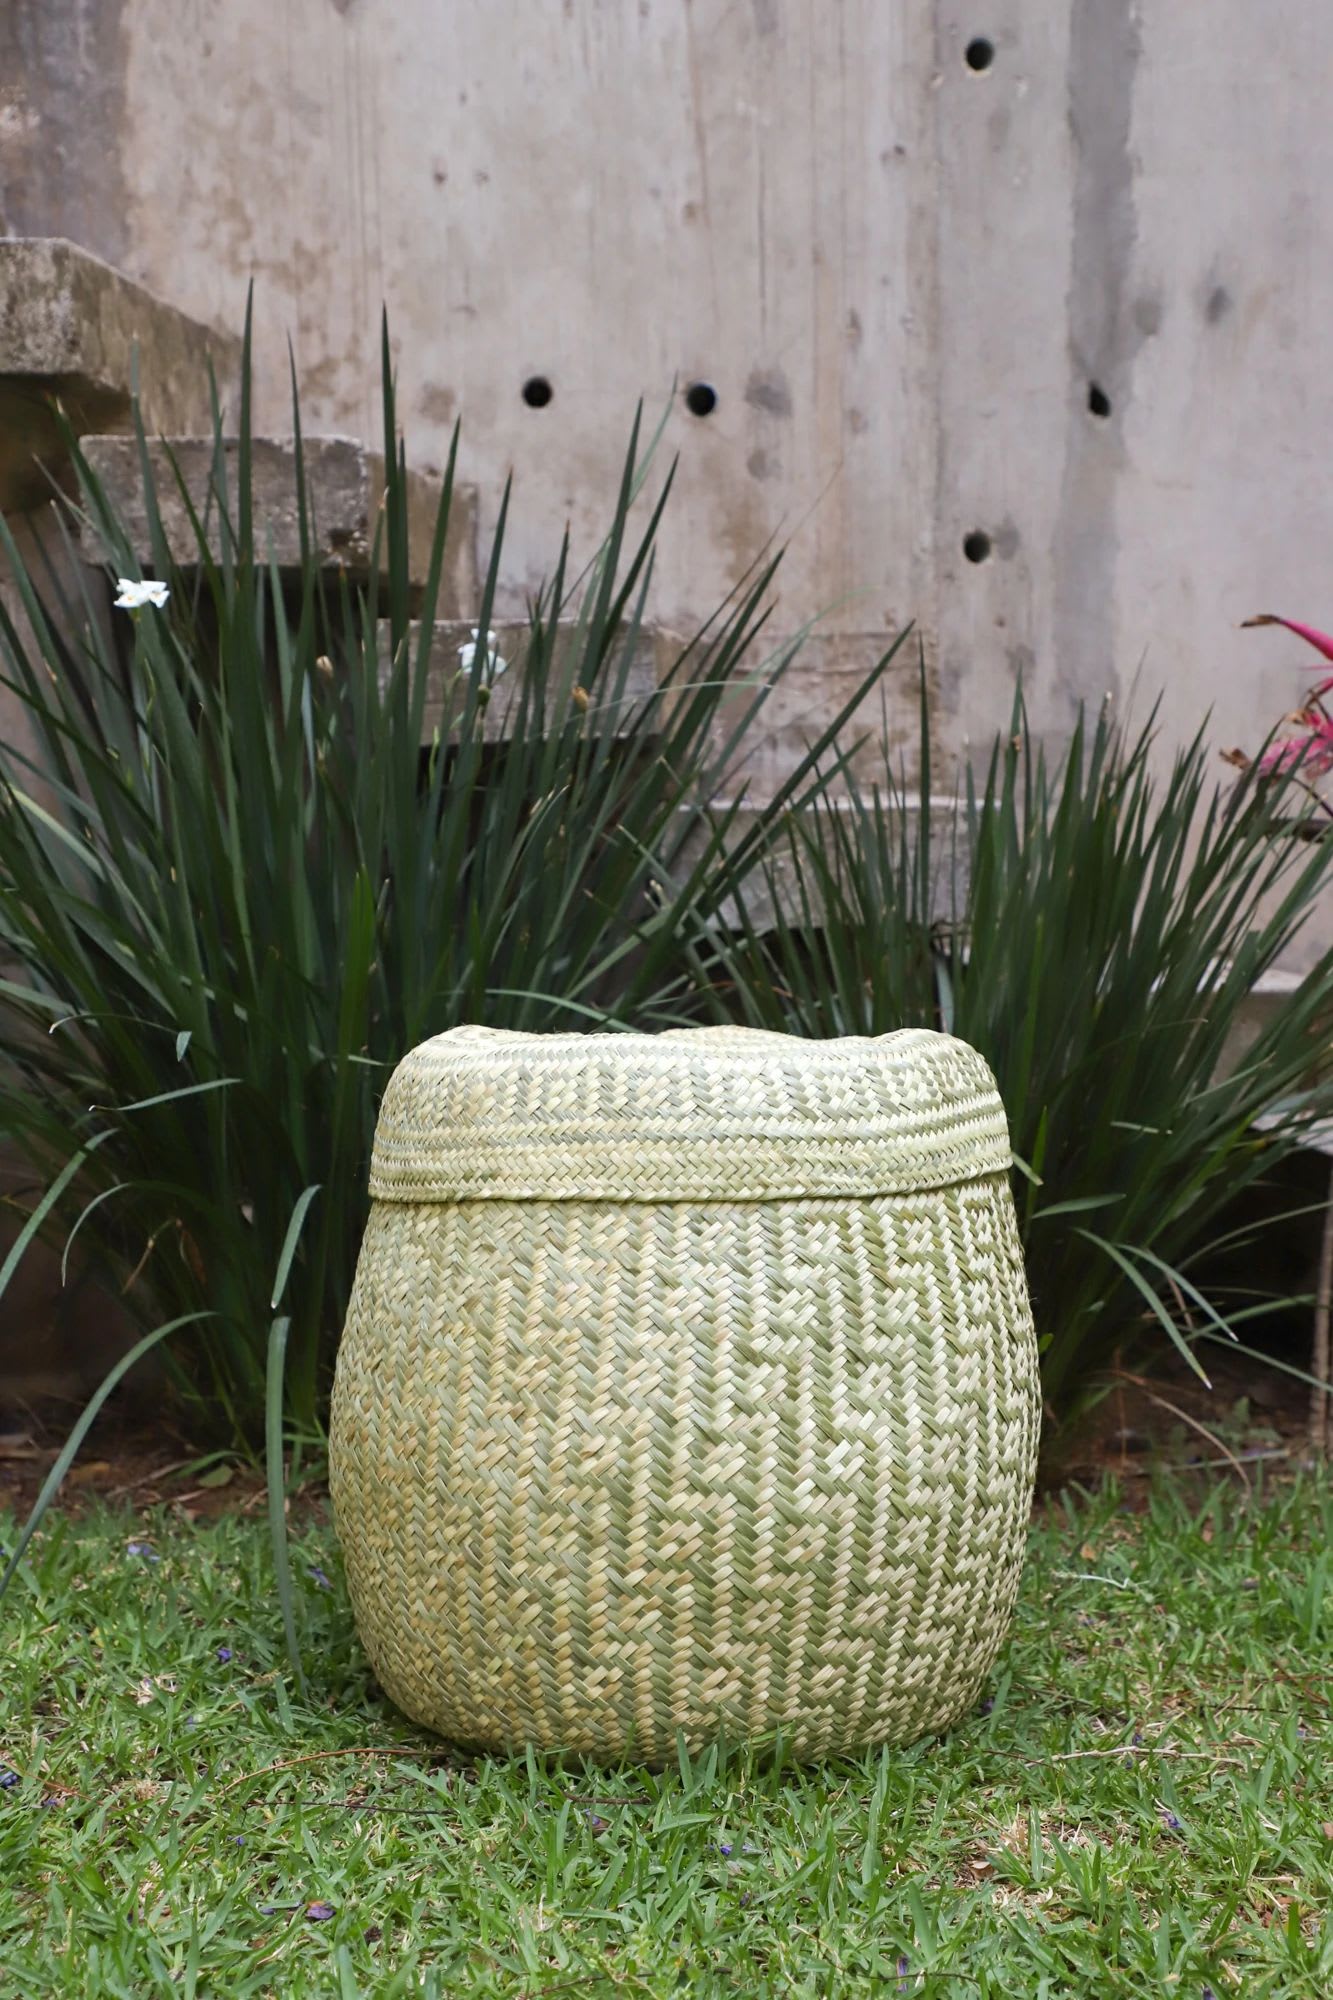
point(237, 890)
point(1095, 926)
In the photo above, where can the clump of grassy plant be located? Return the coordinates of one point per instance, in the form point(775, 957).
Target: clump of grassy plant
point(235, 888)
point(1095, 925)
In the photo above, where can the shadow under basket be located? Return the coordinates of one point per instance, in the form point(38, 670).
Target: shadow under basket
point(688, 1387)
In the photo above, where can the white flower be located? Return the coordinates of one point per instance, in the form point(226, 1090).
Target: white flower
point(133, 596)
point(467, 654)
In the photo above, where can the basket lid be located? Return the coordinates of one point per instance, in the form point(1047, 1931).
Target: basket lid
point(695, 1114)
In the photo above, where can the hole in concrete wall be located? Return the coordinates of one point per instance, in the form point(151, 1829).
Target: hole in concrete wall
point(1099, 403)
point(979, 53)
point(701, 399)
point(537, 392)
point(977, 545)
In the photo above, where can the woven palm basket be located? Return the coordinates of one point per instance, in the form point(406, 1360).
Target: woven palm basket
point(688, 1387)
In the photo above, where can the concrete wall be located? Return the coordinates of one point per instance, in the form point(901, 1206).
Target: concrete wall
point(903, 276)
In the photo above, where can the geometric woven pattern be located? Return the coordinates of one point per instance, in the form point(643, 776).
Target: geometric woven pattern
point(606, 1470)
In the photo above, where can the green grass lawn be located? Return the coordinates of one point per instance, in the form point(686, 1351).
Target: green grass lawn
point(1143, 1804)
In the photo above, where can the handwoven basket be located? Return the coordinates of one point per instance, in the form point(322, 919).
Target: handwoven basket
point(688, 1386)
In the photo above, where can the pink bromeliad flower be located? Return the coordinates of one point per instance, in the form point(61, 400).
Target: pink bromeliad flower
point(1312, 751)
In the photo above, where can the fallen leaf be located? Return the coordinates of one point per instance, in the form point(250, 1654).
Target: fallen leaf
point(93, 1470)
point(149, 1686)
point(221, 1475)
point(1088, 1553)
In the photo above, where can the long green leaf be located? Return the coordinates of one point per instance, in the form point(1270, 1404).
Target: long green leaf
point(290, 1242)
point(1153, 1297)
point(277, 1493)
point(44, 1208)
point(70, 1449)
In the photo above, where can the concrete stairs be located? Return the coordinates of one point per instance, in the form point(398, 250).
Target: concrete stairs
point(72, 332)
point(345, 484)
point(607, 711)
point(79, 338)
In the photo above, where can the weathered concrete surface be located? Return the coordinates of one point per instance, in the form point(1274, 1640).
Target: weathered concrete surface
point(62, 76)
point(905, 279)
point(51, 562)
point(348, 155)
point(72, 331)
point(345, 484)
point(607, 710)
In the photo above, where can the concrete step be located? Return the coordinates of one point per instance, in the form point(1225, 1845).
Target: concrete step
point(777, 891)
point(345, 481)
point(607, 713)
point(70, 329)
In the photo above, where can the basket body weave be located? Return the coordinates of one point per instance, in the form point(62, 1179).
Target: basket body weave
point(688, 1384)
